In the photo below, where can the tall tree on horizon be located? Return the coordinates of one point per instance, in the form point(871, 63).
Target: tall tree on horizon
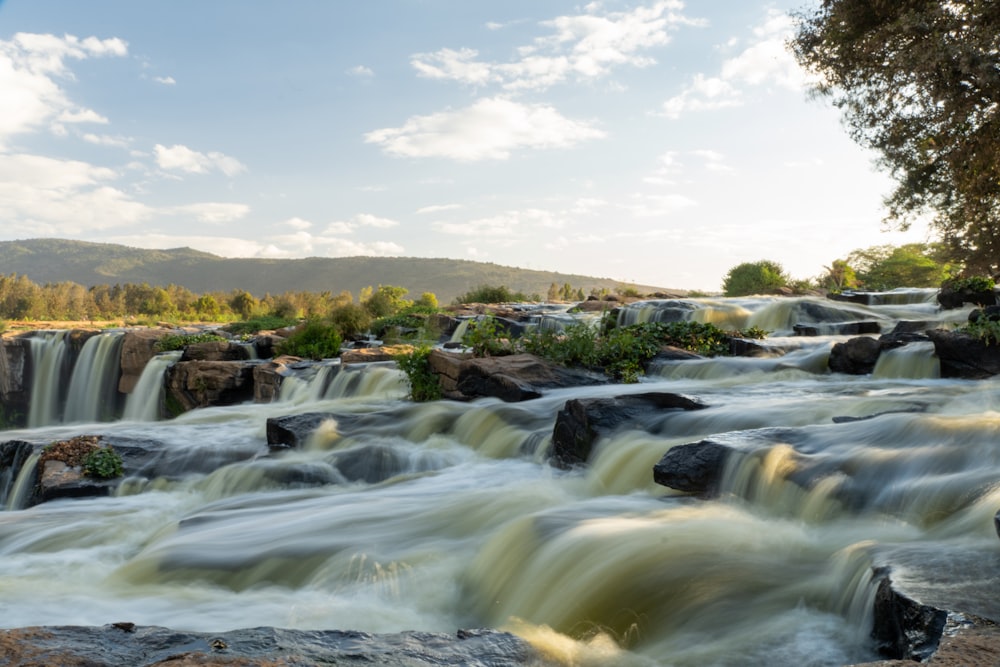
point(918, 81)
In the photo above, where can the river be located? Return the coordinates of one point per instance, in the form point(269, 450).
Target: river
point(447, 515)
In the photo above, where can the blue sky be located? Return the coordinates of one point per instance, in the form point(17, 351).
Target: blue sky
point(655, 142)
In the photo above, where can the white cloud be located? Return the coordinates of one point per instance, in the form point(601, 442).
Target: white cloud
point(288, 246)
point(165, 80)
point(767, 61)
point(182, 158)
point(506, 224)
point(361, 71)
point(298, 223)
point(645, 206)
point(31, 67)
point(212, 212)
point(489, 129)
point(106, 140)
point(586, 46)
point(62, 197)
point(342, 227)
point(436, 208)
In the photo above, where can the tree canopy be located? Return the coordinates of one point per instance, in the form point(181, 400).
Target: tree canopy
point(918, 81)
point(761, 277)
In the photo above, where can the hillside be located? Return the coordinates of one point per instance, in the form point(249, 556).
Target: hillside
point(58, 260)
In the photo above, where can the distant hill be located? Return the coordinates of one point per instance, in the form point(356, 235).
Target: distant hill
point(57, 260)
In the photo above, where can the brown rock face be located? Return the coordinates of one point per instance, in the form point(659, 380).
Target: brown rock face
point(517, 377)
point(199, 384)
point(137, 349)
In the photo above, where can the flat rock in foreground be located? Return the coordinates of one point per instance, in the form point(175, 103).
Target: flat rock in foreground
point(127, 645)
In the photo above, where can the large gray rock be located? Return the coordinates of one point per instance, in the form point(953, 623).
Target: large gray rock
point(582, 421)
point(215, 350)
point(15, 392)
point(138, 348)
point(856, 356)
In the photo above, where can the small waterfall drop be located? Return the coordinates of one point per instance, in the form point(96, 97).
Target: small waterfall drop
point(48, 353)
point(143, 404)
point(912, 361)
point(93, 388)
point(23, 484)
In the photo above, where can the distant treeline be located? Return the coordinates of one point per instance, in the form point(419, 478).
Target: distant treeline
point(23, 299)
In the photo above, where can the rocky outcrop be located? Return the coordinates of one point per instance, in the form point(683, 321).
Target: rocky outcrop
point(838, 329)
point(199, 384)
point(15, 394)
point(513, 378)
point(951, 298)
point(695, 468)
point(582, 421)
point(903, 628)
point(963, 356)
point(856, 356)
point(268, 376)
point(125, 643)
point(138, 348)
point(372, 354)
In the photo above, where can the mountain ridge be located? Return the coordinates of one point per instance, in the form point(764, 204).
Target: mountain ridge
point(50, 260)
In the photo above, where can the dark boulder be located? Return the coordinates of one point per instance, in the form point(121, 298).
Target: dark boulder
point(856, 356)
point(693, 468)
point(125, 643)
point(863, 298)
point(513, 378)
point(951, 298)
point(903, 628)
point(582, 421)
point(988, 314)
point(964, 356)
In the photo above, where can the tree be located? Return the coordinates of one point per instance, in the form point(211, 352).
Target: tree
point(839, 276)
point(918, 81)
point(754, 278)
point(887, 267)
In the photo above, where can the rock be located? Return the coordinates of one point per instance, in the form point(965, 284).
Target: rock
point(742, 347)
point(903, 628)
point(838, 329)
point(582, 421)
point(214, 350)
point(863, 298)
point(199, 384)
point(951, 298)
point(988, 314)
point(15, 394)
point(138, 347)
point(125, 643)
point(268, 376)
point(293, 431)
point(371, 354)
point(856, 356)
point(963, 356)
point(693, 468)
point(513, 378)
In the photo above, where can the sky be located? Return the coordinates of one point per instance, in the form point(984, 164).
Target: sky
point(654, 142)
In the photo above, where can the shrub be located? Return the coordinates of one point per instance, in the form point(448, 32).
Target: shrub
point(491, 294)
point(313, 340)
point(760, 277)
point(172, 342)
point(486, 339)
point(972, 284)
point(103, 463)
point(424, 384)
point(262, 323)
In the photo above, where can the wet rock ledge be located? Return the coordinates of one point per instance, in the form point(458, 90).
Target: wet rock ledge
point(128, 645)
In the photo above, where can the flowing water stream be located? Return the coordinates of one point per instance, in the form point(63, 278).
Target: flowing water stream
point(445, 515)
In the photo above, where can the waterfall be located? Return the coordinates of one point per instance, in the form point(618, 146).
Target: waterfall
point(48, 353)
point(93, 387)
point(913, 361)
point(23, 484)
point(143, 404)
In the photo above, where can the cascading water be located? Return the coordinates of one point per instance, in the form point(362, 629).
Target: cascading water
point(92, 394)
point(438, 516)
point(143, 404)
point(48, 353)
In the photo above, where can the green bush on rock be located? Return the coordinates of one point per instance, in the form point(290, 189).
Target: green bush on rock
point(313, 340)
point(103, 463)
point(424, 384)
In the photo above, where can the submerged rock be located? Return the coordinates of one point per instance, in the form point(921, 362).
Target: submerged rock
point(695, 468)
point(129, 645)
point(582, 421)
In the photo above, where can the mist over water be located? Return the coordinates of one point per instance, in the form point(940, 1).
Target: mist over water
point(447, 515)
